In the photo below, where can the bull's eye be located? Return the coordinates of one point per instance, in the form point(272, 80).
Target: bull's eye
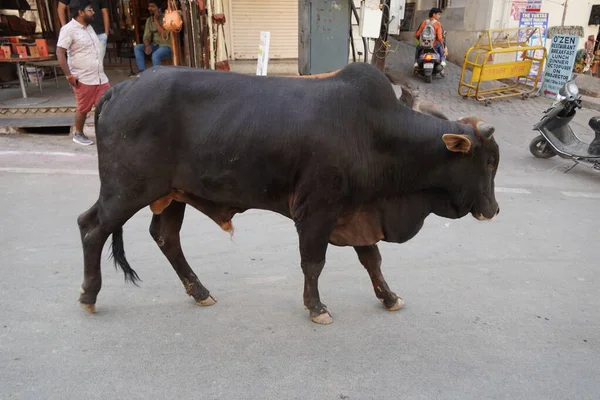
point(491, 163)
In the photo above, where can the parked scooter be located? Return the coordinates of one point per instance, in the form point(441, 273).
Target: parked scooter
point(557, 137)
point(429, 61)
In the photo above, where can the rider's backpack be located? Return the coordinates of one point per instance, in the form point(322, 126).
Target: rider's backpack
point(428, 34)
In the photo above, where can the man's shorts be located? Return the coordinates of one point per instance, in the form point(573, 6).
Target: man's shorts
point(88, 95)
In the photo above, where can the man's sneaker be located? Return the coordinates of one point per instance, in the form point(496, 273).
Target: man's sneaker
point(416, 65)
point(444, 63)
point(80, 138)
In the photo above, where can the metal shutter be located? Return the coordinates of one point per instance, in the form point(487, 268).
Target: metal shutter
point(250, 17)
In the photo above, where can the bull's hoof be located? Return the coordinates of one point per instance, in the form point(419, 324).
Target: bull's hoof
point(91, 308)
point(209, 301)
point(322, 319)
point(397, 305)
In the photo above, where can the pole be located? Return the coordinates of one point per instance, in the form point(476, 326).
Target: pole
point(380, 53)
point(562, 23)
point(187, 49)
point(211, 37)
point(176, 49)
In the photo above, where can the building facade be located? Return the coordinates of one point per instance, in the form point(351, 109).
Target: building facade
point(465, 19)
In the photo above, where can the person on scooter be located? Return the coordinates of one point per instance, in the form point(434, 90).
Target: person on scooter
point(434, 16)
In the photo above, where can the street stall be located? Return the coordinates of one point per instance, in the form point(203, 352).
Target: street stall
point(21, 42)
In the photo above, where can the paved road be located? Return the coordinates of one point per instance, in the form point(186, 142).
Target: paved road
point(501, 309)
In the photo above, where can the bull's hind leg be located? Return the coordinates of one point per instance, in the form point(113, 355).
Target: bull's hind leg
point(165, 228)
point(92, 239)
point(104, 218)
point(370, 258)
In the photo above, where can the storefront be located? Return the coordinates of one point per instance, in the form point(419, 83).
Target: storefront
point(249, 17)
point(245, 19)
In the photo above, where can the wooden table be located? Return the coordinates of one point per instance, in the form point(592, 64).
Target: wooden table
point(25, 101)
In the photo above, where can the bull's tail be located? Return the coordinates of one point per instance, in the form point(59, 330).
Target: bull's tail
point(118, 255)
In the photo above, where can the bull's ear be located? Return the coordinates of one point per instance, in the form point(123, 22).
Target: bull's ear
point(457, 143)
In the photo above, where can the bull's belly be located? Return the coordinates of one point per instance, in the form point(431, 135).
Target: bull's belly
point(360, 228)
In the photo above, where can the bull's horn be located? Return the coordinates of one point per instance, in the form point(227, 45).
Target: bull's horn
point(485, 129)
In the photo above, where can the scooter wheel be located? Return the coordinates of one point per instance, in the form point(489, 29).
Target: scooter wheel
point(428, 78)
point(540, 148)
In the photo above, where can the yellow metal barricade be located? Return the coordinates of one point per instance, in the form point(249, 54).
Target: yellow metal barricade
point(501, 54)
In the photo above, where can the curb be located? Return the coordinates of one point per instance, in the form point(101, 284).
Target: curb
point(586, 102)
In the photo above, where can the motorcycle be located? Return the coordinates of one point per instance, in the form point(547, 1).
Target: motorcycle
point(429, 62)
point(556, 136)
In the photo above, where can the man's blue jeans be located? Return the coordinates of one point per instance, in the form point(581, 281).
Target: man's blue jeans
point(159, 53)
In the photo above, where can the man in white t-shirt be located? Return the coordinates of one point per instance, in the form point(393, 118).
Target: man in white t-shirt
point(101, 22)
point(83, 69)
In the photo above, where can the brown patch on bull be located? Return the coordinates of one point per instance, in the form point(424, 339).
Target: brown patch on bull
point(359, 228)
point(220, 214)
point(158, 206)
point(291, 200)
point(317, 76)
point(470, 121)
point(428, 108)
point(188, 287)
point(227, 226)
point(457, 143)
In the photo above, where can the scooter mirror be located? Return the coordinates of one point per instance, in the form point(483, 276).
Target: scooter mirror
point(569, 90)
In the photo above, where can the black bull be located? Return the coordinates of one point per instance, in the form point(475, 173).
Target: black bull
point(340, 156)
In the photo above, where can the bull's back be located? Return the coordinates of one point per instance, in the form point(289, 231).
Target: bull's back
point(231, 132)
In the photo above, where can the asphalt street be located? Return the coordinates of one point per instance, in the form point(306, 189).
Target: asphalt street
point(500, 309)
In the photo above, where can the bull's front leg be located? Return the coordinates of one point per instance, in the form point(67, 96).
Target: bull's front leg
point(314, 239)
point(370, 258)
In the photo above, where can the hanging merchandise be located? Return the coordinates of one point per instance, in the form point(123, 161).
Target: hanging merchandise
point(172, 21)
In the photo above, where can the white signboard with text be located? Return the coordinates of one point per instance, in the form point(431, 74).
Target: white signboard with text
point(559, 64)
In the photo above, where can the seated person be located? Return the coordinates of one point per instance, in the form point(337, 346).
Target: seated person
point(155, 45)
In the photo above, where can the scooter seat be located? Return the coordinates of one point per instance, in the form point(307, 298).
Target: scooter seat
point(595, 123)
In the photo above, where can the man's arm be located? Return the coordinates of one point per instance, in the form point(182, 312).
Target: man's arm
point(64, 42)
point(439, 33)
point(61, 54)
point(147, 33)
point(62, 13)
point(106, 21)
point(104, 10)
point(158, 20)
